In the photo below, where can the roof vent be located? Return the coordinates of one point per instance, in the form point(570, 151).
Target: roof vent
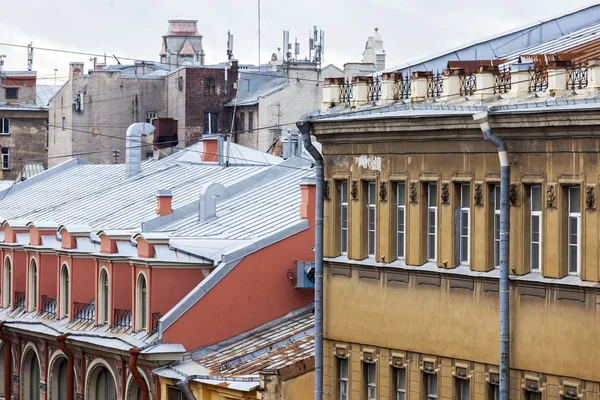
point(208, 200)
point(134, 146)
point(292, 145)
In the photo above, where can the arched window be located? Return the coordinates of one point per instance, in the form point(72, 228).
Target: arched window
point(104, 385)
point(134, 392)
point(58, 383)
point(103, 296)
point(7, 289)
point(32, 297)
point(64, 291)
point(31, 376)
point(141, 304)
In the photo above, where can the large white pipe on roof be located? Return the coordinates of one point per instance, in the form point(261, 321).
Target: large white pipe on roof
point(133, 144)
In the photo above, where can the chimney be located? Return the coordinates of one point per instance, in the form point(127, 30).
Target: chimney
point(308, 191)
point(164, 199)
point(134, 146)
point(420, 82)
point(208, 200)
point(165, 138)
point(213, 149)
point(76, 71)
point(360, 90)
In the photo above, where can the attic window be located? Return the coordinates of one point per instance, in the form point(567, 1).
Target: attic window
point(211, 86)
point(11, 93)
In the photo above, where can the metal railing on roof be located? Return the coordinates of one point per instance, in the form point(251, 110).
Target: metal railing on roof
point(48, 305)
point(468, 84)
point(155, 318)
point(402, 91)
point(19, 300)
point(374, 88)
point(346, 92)
point(538, 80)
point(577, 76)
point(435, 85)
point(121, 319)
point(502, 80)
point(85, 312)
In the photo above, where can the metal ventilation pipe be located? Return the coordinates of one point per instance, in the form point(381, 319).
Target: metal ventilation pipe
point(304, 127)
point(482, 119)
point(133, 145)
point(184, 386)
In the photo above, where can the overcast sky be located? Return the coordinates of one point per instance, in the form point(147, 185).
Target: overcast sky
point(133, 28)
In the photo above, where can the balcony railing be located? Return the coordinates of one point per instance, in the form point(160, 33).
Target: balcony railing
point(468, 84)
point(155, 318)
point(122, 319)
point(435, 85)
point(538, 81)
point(48, 305)
point(502, 80)
point(374, 89)
point(346, 92)
point(578, 76)
point(85, 312)
point(19, 300)
point(403, 88)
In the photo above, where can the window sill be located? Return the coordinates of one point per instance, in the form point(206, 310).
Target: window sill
point(5, 134)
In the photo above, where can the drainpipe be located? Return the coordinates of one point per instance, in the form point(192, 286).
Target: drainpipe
point(62, 345)
point(184, 386)
point(304, 127)
point(482, 119)
point(134, 353)
point(7, 363)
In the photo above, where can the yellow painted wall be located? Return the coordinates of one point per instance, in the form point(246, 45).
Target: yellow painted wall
point(300, 388)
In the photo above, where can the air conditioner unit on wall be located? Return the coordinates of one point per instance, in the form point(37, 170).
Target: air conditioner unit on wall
point(305, 275)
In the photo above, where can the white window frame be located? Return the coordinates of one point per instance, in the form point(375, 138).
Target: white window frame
point(371, 219)
point(535, 214)
point(465, 209)
point(399, 390)
point(401, 220)
point(7, 298)
point(432, 210)
point(428, 386)
point(65, 297)
point(103, 292)
point(211, 115)
point(150, 116)
point(496, 225)
point(141, 303)
point(370, 381)
point(32, 296)
point(343, 381)
point(5, 159)
point(3, 121)
point(343, 207)
point(574, 217)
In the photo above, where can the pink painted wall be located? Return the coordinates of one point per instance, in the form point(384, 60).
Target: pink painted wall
point(169, 285)
point(83, 280)
point(20, 266)
point(47, 275)
point(122, 286)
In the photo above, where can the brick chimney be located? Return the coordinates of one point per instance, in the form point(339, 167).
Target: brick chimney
point(164, 200)
point(213, 149)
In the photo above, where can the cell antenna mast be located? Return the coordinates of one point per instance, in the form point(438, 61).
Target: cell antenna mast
point(30, 56)
point(229, 46)
point(259, 35)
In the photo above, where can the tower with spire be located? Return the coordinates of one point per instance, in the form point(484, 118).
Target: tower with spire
point(182, 44)
point(374, 52)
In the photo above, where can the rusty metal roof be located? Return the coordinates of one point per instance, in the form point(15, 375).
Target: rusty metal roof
point(471, 66)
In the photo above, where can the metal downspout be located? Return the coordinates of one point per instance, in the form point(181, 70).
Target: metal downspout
point(482, 119)
point(184, 386)
point(134, 353)
point(304, 127)
point(62, 345)
point(7, 363)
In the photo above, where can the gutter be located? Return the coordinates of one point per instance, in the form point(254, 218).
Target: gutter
point(304, 127)
point(7, 362)
point(184, 386)
point(482, 119)
point(62, 344)
point(141, 382)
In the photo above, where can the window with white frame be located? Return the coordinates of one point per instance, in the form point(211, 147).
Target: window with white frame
point(432, 221)
point(5, 158)
point(343, 196)
point(535, 235)
point(342, 378)
point(371, 203)
point(151, 116)
point(211, 122)
point(4, 126)
point(465, 222)
point(496, 196)
point(400, 219)
point(463, 389)
point(33, 286)
point(103, 296)
point(7, 289)
point(430, 387)
point(574, 229)
point(399, 375)
point(141, 304)
point(64, 291)
point(370, 371)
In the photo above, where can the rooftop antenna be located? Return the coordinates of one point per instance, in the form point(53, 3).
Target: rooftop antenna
point(55, 71)
point(296, 49)
point(286, 46)
point(259, 35)
point(229, 46)
point(30, 56)
point(2, 57)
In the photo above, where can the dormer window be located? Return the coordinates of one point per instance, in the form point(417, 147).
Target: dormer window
point(64, 291)
point(103, 296)
point(32, 297)
point(141, 303)
point(7, 289)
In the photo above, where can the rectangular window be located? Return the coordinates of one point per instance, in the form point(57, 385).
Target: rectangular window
point(574, 229)
point(493, 390)
point(463, 389)
point(496, 195)
point(400, 383)
point(250, 120)
point(343, 188)
point(465, 222)
point(4, 126)
point(211, 85)
point(11, 93)
point(150, 116)
point(430, 387)
point(5, 158)
point(343, 378)
point(371, 200)
point(535, 201)
point(211, 122)
point(370, 371)
point(64, 122)
point(242, 121)
point(431, 221)
point(400, 219)
point(530, 395)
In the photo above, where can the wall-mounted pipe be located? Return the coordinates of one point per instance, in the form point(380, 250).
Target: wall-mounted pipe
point(304, 127)
point(7, 362)
point(139, 379)
point(482, 119)
point(62, 345)
point(184, 386)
